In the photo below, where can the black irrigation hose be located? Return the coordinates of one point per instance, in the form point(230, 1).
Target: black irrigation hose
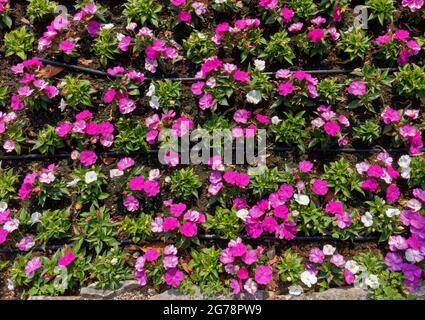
point(213, 237)
point(104, 74)
point(113, 154)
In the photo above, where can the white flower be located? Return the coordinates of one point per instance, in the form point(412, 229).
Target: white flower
point(253, 96)
point(120, 36)
point(242, 214)
point(154, 174)
point(11, 225)
point(113, 173)
point(367, 219)
point(260, 65)
point(151, 90)
point(328, 250)
point(413, 256)
point(167, 179)
point(250, 286)
point(10, 285)
point(108, 26)
point(372, 282)
point(90, 177)
point(308, 278)
point(62, 105)
point(353, 266)
point(414, 204)
point(220, 1)
point(295, 213)
point(296, 290)
point(73, 182)
point(114, 261)
point(276, 120)
point(404, 161)
point(392, 212)
point(154, 102)
point(3, 206)
point(405, 173)
point(47, 178)
point(302, 199)
point(35, 217)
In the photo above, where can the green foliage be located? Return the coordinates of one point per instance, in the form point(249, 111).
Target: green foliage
point(411, 81)
point(168, 93)
point(142, 11)
point(15, 133)
point(53, 225)
point(383, 10)
point(417, 172)
point(341, 177)
point(106, 45)
point(290, 266)
point(96, 231)
point(8, 183)
point(225, 223)
point(131, 136)
point(109, 269)
point(18, 42)
point(304, 8)
point(88, 193)
point(313, 221)
point(355, 43)
point(367, 132)
point(206, 270)
point(77, 92)
point(48, 142)
point(137, 229)
point(3, 96)
point(291, 130)
point(198, 46)
point(278, 48)
point(38, 10)
point(391, 286)
point(267, 181)
point(329, 90)
point(184, 184)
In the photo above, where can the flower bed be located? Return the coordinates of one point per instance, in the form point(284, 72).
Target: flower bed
point(341, 108)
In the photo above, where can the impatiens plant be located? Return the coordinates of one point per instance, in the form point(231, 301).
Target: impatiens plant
point(18, 42)
point(5, 19)
point(398, 46)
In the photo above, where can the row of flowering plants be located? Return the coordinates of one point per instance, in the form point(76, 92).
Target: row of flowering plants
point(101, 207)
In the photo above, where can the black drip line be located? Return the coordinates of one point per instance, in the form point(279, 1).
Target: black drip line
point(214, 237)
point(115, 154)
point(188, 79)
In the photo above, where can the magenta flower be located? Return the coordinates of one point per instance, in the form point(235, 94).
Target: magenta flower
point(316, 35)
point(305, 166)
point(285, 88)
point(136, 183)
point(66, 260)
point(316, 256)
point(263, 275)
point(173, 277)
point(287, 14)
point(88, 157)
point(320, 187)
point(241, 76)
point(67, 46)
point(170, 224)
point(357, 88)
point(3, 235)
point(332, 128)
point(189, 229)
point(348, 277)
point(151, 188)
point(131, 203)
point(390, 115)
point(370, 185)
point(393, 261)
point(151, 255)
point(392, 193)
point(334, 207)
point(32, 266)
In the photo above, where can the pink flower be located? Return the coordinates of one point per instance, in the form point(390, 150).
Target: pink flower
point(32, 266)
point(286, 14)
point(25, 244)
point(189, 229)
point(235, 286)
point(241, 76)
point(370, 185)
point(93, 27)
point(285, 88)
point(263, 275)
point(177, 209)
point(88, 157)
point(390, 115)
point(131, 203)
point(170, 262)
point(316, 256)
point(337, 260)
point(393, 261)
point(334, 207)
point(170, 224)
point(348, 277)
point(357, 88)
point(184, 16)
point(173, 277)
point(320, 187)
point(67, 46)
point(413, 4)
point(125, 163)
point(178, 3)
point(316, 35)
point(151, 255)
point(343, 220)
point(124, 43)
point(392, 193)
point(63, 129)
point(206, 101)
point(66, 260)
point(242, 116)
point(305, 166)
point(136, 183)
point(332, 128)
point(151, 188)
point(3, 235)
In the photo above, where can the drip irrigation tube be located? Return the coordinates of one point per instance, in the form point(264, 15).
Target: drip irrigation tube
point(214, 237)
point(104, 74)
point(113, 154)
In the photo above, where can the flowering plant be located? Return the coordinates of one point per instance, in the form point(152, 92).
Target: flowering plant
point(398, 46)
